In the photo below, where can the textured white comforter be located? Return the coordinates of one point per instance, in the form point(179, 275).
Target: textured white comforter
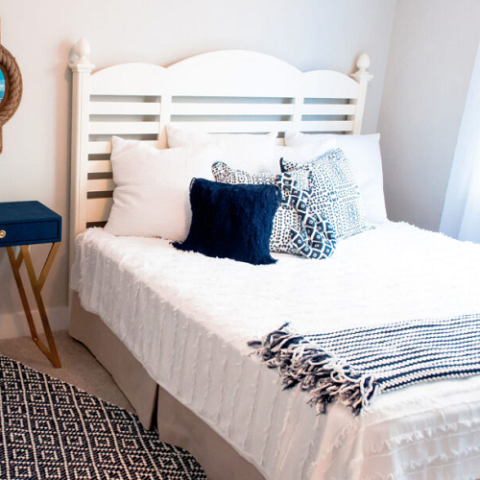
point(187, 318)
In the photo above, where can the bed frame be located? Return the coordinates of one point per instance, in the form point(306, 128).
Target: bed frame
point(220, 92)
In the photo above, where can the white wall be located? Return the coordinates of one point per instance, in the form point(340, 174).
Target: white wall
point(309, 34)
point(430, 63)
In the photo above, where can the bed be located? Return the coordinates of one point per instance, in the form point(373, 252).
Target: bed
point(175, 337)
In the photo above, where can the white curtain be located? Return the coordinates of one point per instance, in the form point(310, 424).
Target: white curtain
point(461, 211)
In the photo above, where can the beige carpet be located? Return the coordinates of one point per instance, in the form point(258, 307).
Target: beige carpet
point(79, 366)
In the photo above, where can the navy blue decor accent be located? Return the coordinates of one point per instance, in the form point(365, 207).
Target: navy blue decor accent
point(232, 221)
point(28, 223)
point(334, 192)
point(53, 430)
point(352, 366)
point(297, 229)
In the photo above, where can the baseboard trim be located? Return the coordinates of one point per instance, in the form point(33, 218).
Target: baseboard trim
point(13, 325)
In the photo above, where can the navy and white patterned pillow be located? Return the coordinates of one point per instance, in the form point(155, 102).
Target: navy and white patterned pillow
point(225, 174)
point(334, 192)
point(316, 238)
point(292, 231)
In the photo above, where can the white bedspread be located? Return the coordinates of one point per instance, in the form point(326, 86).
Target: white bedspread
point(187, 318)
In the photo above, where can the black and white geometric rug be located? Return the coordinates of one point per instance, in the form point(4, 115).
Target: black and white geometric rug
point(52, 430)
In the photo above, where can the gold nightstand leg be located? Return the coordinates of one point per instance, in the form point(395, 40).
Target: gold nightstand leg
point(37, 285)
point(16, 263)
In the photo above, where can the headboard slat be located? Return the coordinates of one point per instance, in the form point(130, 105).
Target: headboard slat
point(326, 126)
point(230, 109)
point(236, 127)
point(329, 109)
point(118, 128)
point(100, 185)
point(99, 148)
point(124, 108)
point(100, 166)
point(98, 209)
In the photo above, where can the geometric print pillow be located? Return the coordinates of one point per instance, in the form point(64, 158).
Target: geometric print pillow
point(286, 216)
point(225, 174)
point(289, 234)
point(315, 239)
point(334, 192)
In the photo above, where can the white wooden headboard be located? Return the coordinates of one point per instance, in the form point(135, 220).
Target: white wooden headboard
point(227, 91)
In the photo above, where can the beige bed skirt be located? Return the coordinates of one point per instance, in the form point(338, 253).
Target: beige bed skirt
point(176, 424)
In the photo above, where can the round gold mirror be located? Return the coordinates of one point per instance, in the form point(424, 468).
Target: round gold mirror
point(11, 88)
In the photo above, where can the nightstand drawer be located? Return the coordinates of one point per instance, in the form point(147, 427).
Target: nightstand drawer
point(28, 223)
point(28, 233)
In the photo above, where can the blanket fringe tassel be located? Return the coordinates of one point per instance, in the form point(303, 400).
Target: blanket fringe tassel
point(316, 370)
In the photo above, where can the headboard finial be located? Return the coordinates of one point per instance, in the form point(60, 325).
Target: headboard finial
point(82, 64)
point(82, 49)
point(363, 63)
point(362, 75)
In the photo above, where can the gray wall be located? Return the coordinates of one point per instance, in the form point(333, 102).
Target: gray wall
point(309, 34)
point(430, 63)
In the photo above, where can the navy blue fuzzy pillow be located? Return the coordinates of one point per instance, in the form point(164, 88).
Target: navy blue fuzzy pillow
point(232, 221)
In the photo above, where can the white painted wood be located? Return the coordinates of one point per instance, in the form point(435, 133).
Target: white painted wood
point(99, 166)
point(298, 105)
point(100, 185)
point(236, 127)
point(362, 77)
point(82, 50)
point(119, 128)
point(328, 84)
point(165, 117)
point(327, 126)
point(363, 63)
point(106, 147)
point(230, 109)
point(233, 75)
point(329, 109)
point(124, 108)
point(81, 71)
point(138, 79)
point(98, 209)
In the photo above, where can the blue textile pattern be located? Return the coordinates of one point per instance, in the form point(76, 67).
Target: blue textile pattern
point(286, 216)
point(232, 221)
point(335, 193)
point(352, 366)
point(297, 229)
point(53, 430)
point(225, 174)
point(315, 239)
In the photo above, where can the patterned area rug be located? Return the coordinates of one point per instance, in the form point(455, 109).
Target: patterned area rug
point(52, 430)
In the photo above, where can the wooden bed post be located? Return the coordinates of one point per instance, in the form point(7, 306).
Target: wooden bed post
point(362, 77)
point(81, 69)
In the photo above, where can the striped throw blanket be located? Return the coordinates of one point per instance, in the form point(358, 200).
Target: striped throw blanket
point(352, 366)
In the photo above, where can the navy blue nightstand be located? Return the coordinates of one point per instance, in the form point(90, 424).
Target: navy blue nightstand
point(23, 224)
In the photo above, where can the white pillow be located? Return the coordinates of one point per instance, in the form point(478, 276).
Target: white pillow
point(151, 198)
point(250, 152)
point(306, 151)
point(363, 151)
